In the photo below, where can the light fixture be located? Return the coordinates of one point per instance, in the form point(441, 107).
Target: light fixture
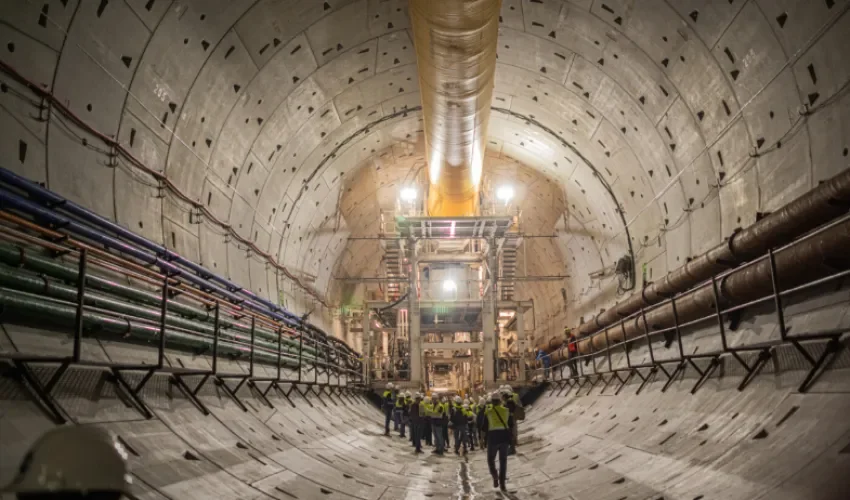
point(449, 286)
point(505, 193)
point(408, 194)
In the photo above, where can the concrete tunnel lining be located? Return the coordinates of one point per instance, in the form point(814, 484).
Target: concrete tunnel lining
point(648, 127)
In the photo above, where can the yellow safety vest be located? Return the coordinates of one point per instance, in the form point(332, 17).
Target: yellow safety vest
point(425, 409)
point(497, 417)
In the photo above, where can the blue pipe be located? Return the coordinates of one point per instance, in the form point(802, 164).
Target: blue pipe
point(50, 198)
point(19, 203)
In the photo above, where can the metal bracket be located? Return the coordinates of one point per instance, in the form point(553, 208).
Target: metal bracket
point(133, 392)
point(645, 379)
point(704, 374)
point(680, 367)
point(219, 381)
point(752, 371)
point(191, 394)
point(832, 347)
point(623, 382)
point(42, 392)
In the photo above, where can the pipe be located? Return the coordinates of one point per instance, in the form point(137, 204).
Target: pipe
point(49, 198)
point(28, 309)
point(20, 281)
point(822, 204)
point(456, 56)
point(803, 262)
point(9, 199)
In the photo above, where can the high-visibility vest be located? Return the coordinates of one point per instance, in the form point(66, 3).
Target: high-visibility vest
point(426, 409)
point(497, 417)
point(399, 402)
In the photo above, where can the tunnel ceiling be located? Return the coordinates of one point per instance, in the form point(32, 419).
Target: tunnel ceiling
point(672, 122)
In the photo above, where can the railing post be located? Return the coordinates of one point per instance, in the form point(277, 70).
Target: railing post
point(625, 344)
point(777, 298)
point(608, 349)
point(251, 359)
point(719, 314)
point(81, 298)
point(279, 342)
point(676, 324)
point(300, 350)
point(215, 339)
point(162, 313)
point(646, 336)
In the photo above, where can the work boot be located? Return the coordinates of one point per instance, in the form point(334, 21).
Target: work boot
point(495, 482)
point(502, 486)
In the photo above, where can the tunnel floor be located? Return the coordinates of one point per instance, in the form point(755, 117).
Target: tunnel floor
point(765, 442)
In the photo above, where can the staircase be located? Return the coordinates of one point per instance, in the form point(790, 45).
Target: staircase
point(393, 268)
point(508, 267)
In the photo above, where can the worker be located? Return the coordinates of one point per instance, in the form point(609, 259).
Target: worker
point(572, 352)
point(458, 420)
point(512, 403)
point(408, 403)
point(479, 422)
point(400, 411)
point(73, 462)
point(426, 408)
point(437, 426)
point(471, 432)
point(417, 413)
point(546, 361)
point(498, 424)
point(388, 403)
point(446, 418)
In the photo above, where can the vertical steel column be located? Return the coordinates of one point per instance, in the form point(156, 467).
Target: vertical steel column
point(215, 338)
point(414, 317)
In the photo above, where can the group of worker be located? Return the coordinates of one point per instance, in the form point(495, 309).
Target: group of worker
point(489, 423)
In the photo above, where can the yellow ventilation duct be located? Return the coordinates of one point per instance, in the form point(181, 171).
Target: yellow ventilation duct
point(456, 53)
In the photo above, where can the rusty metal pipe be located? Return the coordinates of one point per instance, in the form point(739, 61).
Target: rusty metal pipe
point(456, 56)
point(822, 204)
point(804, 262)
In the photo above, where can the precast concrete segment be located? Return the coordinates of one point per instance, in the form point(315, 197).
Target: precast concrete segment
point(765, 442)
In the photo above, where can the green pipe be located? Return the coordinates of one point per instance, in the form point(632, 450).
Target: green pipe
point(16, 256)
point(31, 310)
point(19, 280)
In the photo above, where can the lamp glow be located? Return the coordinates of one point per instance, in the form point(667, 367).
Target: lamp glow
point(408, 194)
point(449, 286)
point(505, 193)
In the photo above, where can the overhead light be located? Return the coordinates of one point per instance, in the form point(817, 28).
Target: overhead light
point(449, 286)
point(408, 194)
point(505, 193)
point(506, 314)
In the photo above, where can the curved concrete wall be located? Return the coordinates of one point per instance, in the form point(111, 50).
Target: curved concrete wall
point(698, 115)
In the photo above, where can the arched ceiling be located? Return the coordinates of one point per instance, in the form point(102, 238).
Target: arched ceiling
point(672, 122)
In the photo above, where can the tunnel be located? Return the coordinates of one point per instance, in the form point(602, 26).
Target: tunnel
point(220, 242)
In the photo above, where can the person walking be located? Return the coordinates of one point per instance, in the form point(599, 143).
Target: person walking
point(458, 419)
point(512, 403)
point(388, 404)
point(572, 352)
point(437, 425)
point(417, 413)
point(470, 426)
point(426, 408)
point(480, 425)
point(498, 423)
point(446, 414)
point(546, 361)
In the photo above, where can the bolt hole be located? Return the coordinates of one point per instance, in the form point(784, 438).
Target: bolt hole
point(11, 47)
point(88, 107)
point(185, 41)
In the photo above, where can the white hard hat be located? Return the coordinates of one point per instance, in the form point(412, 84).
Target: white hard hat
point(457, 399)
point(407, 394)
point(418, 395)
point(481, 400)
point(466, 401)
point(506, 390)
point(427, 399)
point(74, 459)
point(389, 385)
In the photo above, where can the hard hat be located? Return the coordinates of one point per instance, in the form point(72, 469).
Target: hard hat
point(427, 399)
point(466, 406)
point(457, 399)
point(506, 390)
point(407, 394)
point(418, 395)
point(389, 385)
point(481, 400)
point(466, 401)
point(74, 459)
point(494, 396)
